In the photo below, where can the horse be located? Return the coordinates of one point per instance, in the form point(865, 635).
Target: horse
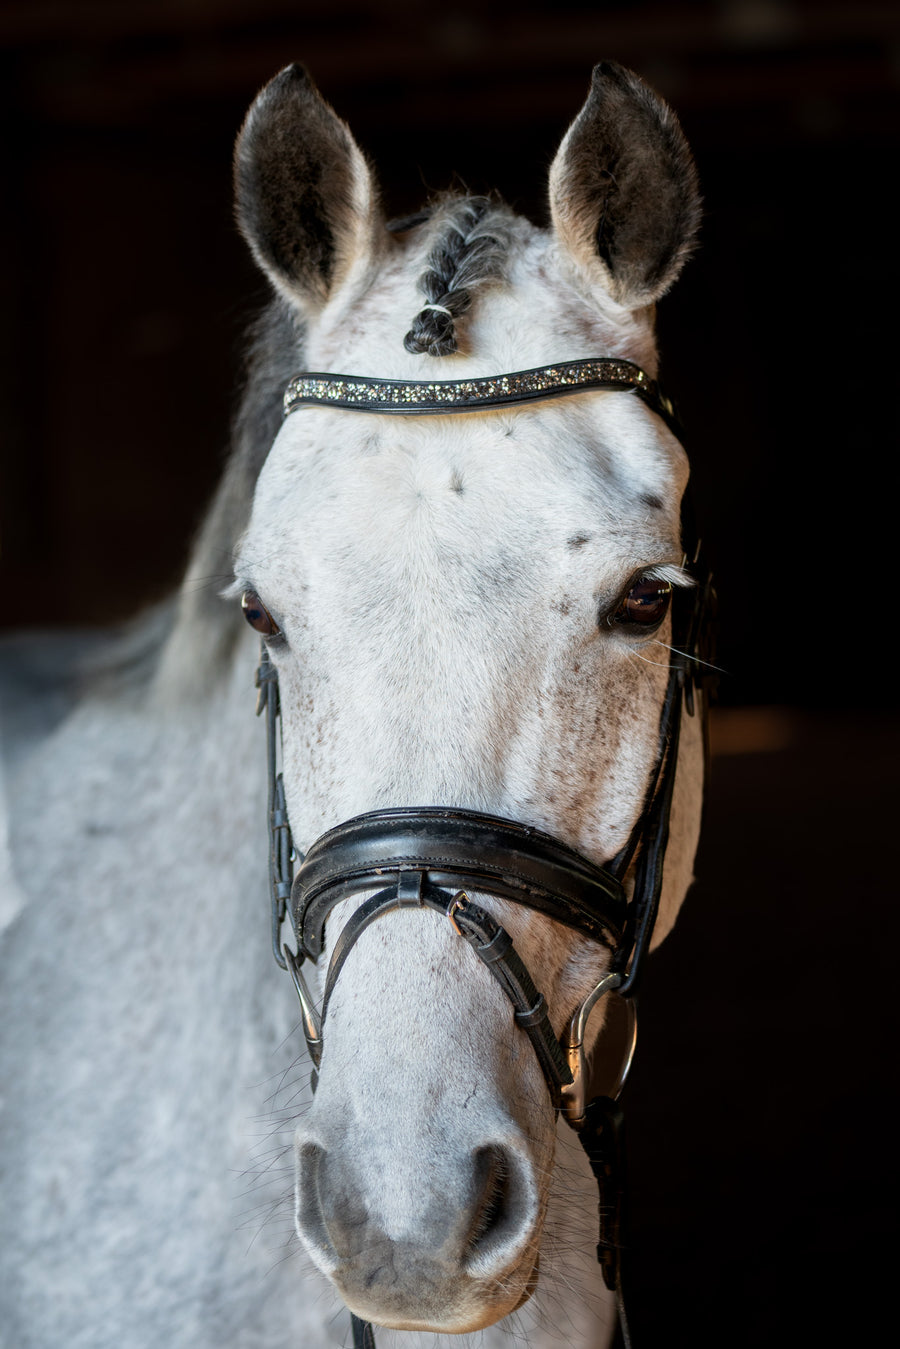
point(458, 537)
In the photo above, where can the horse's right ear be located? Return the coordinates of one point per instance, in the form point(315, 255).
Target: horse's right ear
point(305, 199)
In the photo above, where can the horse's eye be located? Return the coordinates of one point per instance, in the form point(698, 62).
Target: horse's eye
point(646, 603)
point(258, 616)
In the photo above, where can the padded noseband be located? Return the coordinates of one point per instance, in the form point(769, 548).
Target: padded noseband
point(455, 849)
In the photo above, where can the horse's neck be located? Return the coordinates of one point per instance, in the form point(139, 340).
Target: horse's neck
point(141, 1025)
point(153, 1065)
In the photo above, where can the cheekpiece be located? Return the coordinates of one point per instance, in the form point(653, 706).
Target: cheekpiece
point(362, 393)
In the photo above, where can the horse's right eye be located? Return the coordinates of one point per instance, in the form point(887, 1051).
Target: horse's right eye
point(258, 616)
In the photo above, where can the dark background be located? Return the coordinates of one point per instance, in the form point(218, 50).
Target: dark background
point(760, 1109)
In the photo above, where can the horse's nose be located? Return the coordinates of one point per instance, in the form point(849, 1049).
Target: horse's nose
point(412, 1244)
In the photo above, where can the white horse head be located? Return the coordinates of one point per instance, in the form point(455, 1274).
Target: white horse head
point(464, 611)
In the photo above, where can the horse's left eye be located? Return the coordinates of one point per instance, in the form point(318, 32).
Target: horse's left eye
point(258, 616)
point(646, 603)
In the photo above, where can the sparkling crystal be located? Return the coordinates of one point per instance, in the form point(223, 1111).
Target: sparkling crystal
point(366, 394)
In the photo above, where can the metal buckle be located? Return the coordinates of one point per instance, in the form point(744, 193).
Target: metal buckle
point(459, 901)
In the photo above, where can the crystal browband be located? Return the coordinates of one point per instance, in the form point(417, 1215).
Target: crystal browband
point(360, 393)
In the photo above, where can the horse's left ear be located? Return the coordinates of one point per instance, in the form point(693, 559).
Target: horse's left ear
point(306, 201)
point(623, 189)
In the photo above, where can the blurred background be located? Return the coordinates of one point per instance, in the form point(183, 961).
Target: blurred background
point(761, 1106)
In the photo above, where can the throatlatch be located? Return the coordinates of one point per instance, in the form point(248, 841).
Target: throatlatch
point(431, 856)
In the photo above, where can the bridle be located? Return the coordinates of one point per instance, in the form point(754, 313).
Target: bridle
point(430, 857)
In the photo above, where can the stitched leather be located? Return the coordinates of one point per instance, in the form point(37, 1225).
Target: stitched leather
point(456, 848)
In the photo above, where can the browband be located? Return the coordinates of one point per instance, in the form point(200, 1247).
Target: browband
point(455, 848)
point(362, 393)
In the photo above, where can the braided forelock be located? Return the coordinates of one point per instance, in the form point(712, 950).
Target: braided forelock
point(472, 242)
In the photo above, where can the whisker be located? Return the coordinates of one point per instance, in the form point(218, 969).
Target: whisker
point(657, 664)
point(695, 660)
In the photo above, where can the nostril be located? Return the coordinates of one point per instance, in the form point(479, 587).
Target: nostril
point(311, 1225)
point(504, 1212)
point(492, 1191)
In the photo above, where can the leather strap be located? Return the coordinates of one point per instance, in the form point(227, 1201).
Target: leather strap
point(603, 1138)
point(648, 878)
point(491, 943)
point(280, 847)
point(457, 849)
point(367, 393)
point(363, 1334)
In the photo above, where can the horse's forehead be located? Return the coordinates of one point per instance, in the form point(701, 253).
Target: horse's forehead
point(596, 475)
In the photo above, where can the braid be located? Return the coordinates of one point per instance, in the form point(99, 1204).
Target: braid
point(466, 252)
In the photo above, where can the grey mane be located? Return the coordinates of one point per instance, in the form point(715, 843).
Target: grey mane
point(472, 238)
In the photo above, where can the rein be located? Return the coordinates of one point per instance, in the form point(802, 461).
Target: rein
point(429, 857)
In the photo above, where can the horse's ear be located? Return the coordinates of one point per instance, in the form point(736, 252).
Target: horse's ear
point(623, 188)
point(306, 202)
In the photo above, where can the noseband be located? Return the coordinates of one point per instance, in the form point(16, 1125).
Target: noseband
point(431, 857)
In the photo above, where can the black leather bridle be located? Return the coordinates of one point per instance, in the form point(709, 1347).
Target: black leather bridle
point(432, 856)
